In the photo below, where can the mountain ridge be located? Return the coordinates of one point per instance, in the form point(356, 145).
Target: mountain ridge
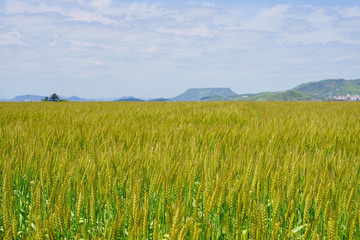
point(324, 90)
point(27, 98)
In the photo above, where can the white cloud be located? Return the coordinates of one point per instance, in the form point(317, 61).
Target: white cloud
point(16, 7)
point(349, 11)
point(72, 13)
point(341, 58)
point(321, 36)
point(100, 3)
point(203, 40)
point(288, 24)
point(268, 20)
point(148, 50)
point(11, 38)
point(293, 25)
point(320, 18)
point(129, 12)
point(350, 23)
point(201, 30)
point(76, 14)
point(80, 15)
point(67, 62)
point(137, 11)
point(84, 44)
point(201, 12)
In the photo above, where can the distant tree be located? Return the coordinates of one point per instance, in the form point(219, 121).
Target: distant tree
point(54, 98)
point(45, 99)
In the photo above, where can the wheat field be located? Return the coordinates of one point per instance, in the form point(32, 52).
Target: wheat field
point(216, 170)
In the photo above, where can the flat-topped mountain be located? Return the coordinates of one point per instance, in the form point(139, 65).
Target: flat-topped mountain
point(198, 94)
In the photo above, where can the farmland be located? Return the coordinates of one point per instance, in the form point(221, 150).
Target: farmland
point(199, 170)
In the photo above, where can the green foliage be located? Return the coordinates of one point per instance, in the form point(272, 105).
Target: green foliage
point(54, 98)
point(289, 95)
point(219, 170)
point(328, 88)
point(322, 90)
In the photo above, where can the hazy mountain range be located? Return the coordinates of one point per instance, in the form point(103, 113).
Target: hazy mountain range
point(321, 91)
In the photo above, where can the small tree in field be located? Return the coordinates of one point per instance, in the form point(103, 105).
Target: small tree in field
point(54, 98)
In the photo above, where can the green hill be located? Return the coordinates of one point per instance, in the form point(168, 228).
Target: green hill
point(322, 90)
point(289, 95)
point(198, 94)
point(329, 88)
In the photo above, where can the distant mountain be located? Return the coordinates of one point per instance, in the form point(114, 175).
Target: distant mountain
point(329, 88)
point(159, 100)
point(198, 94)
point(98, 99)
point(75, 99)
point(27, 98)
point(102, 99)
point(129, 99)
point(321, 90)
point(37, 98)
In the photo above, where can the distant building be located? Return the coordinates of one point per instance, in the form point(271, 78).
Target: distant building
point(347, 97)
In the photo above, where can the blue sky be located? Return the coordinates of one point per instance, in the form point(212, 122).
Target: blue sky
point(108, 48)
